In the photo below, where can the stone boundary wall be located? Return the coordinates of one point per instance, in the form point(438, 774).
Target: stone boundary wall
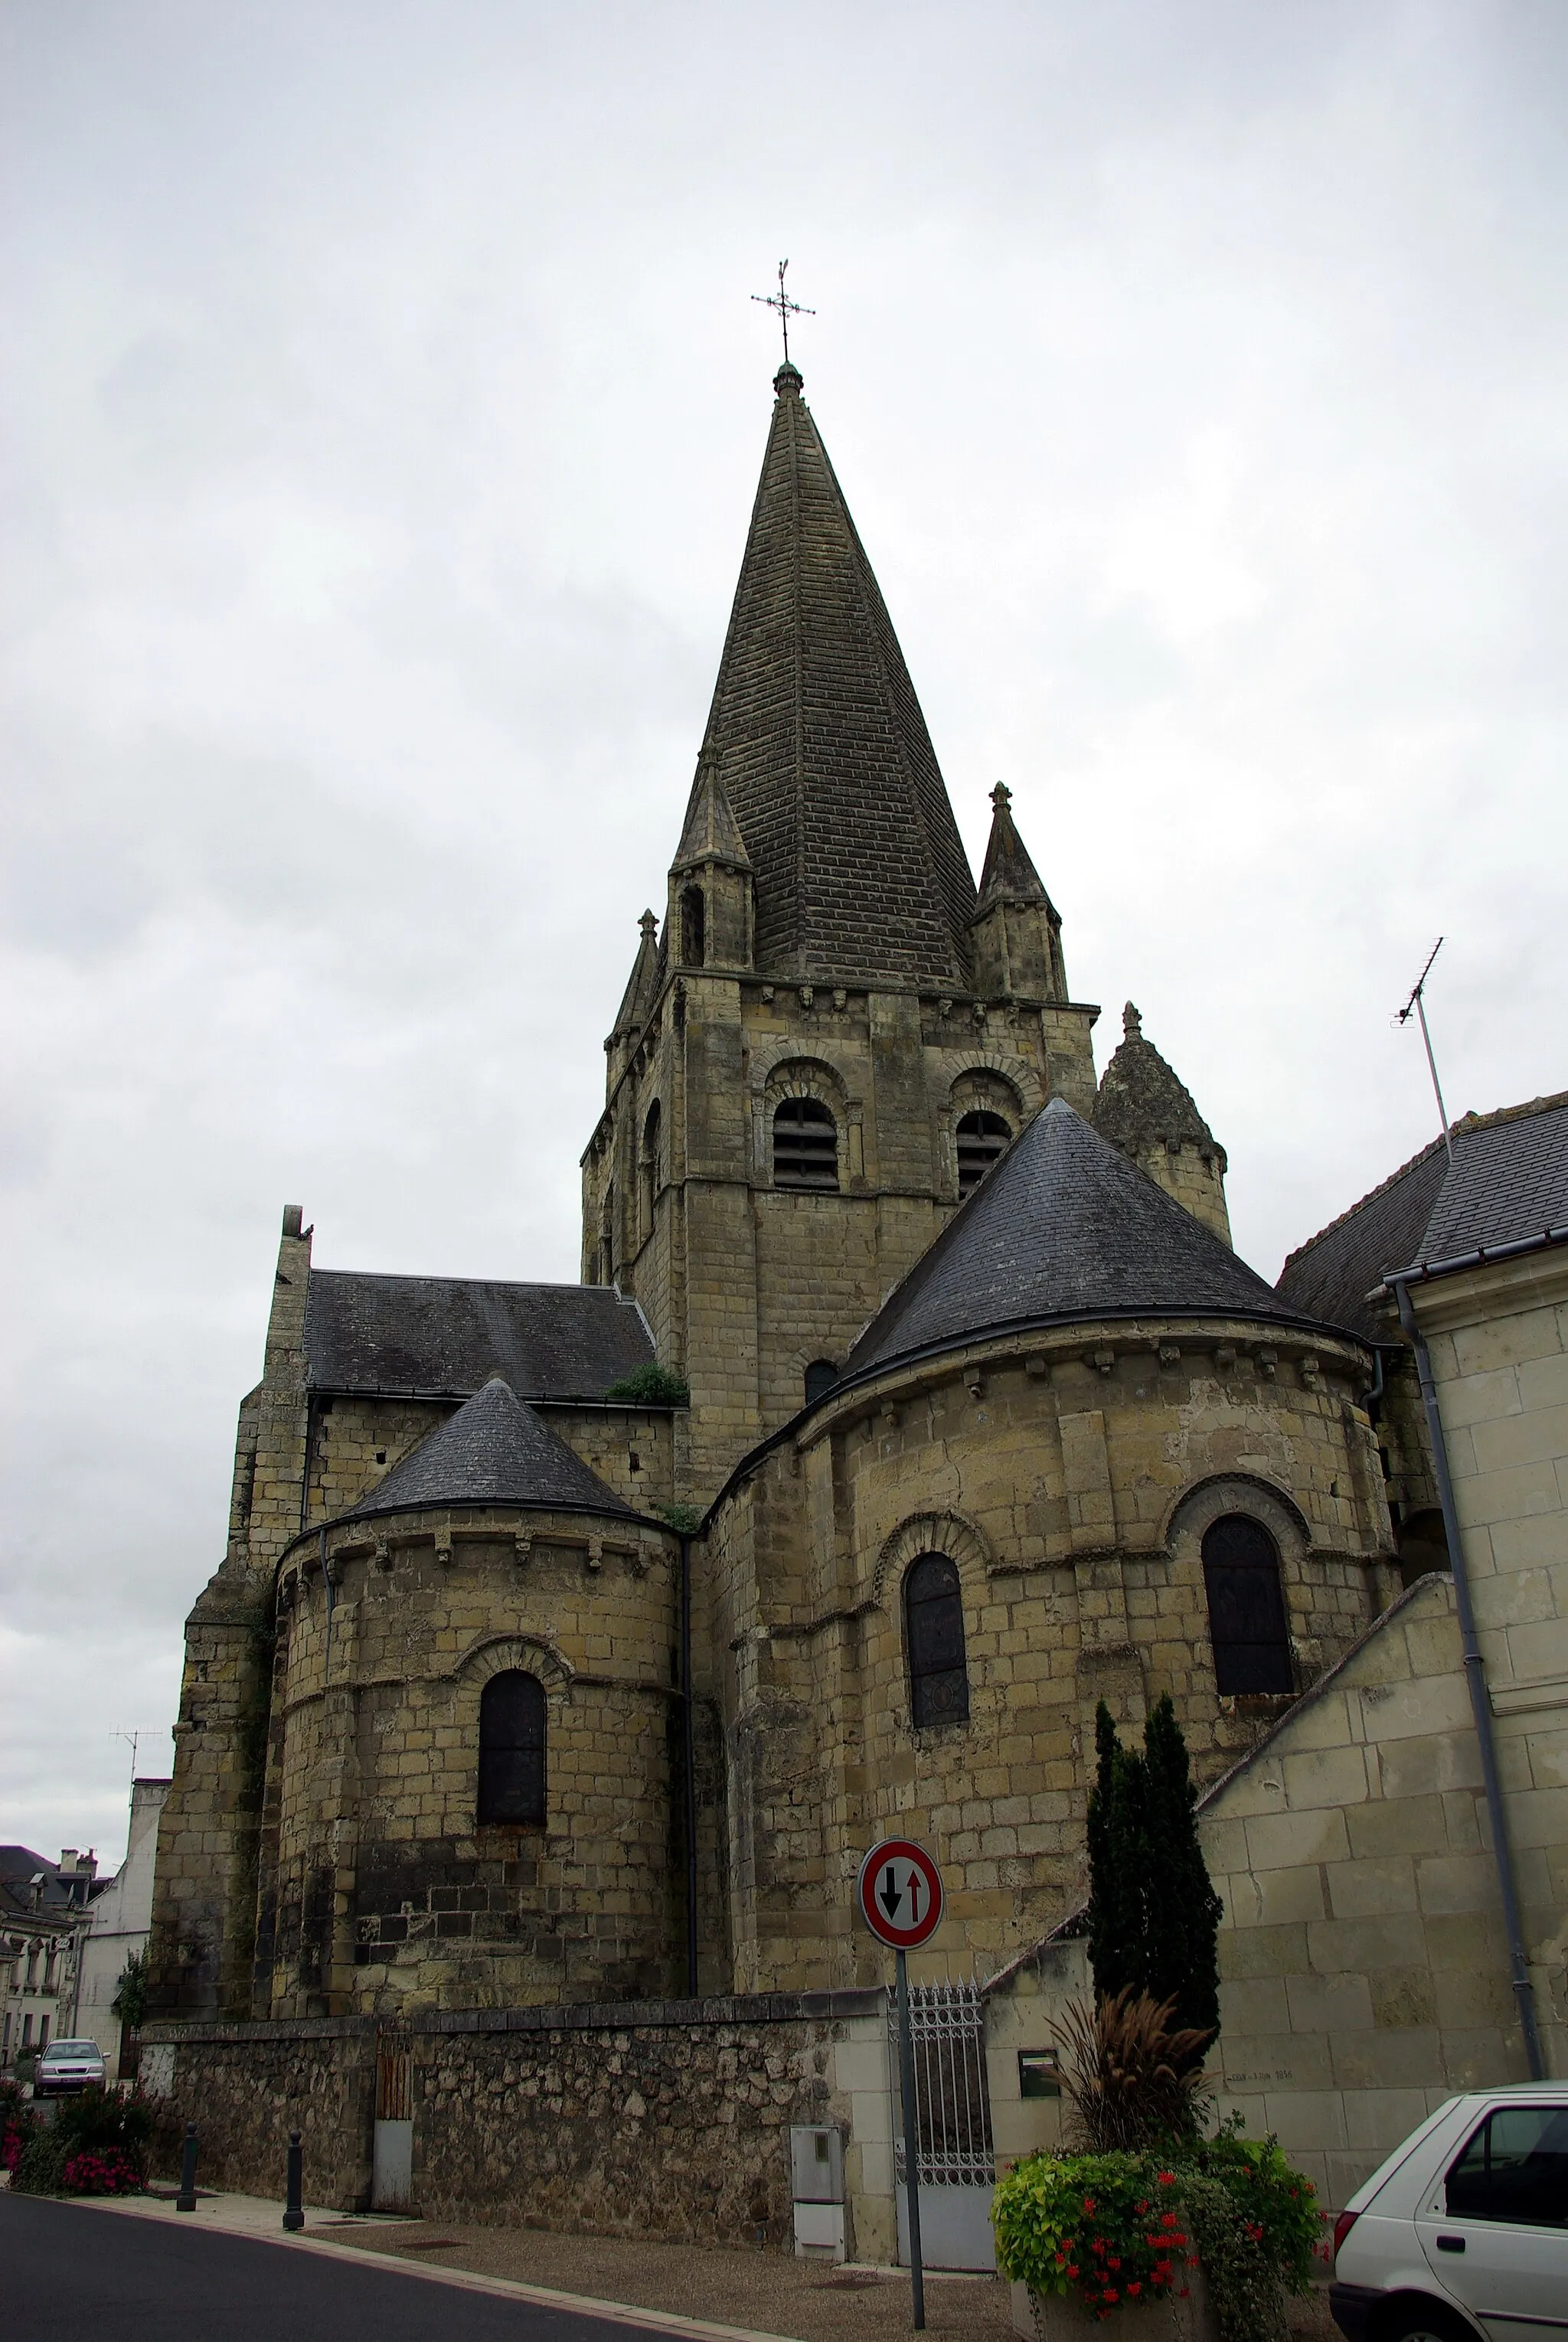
point(658, 2118)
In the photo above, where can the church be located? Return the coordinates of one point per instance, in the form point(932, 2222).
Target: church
point(572, 1643)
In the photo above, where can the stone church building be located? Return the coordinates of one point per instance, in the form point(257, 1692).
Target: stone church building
point(572, 1643)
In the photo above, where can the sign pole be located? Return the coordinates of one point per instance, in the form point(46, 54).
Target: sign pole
point(911, 2142)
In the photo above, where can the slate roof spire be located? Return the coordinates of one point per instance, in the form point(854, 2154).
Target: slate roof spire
point(495, 1451)
point(816, 740)
point(1009, 876)
point(1144, 1102)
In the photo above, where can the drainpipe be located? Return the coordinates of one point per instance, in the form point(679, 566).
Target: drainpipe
point(1480, 1700)
point(689, 1767)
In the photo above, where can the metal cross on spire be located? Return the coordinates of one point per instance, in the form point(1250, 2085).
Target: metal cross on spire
point(784, 305)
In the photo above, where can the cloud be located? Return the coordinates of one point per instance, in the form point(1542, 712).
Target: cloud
point(391, 412)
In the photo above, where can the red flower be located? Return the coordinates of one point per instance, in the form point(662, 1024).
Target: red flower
point(1111, 2293)
point(1167, 2178)
point(1073, 2270)
point(1135, 2287)
point(1088, 2202)
point(1167, 2219)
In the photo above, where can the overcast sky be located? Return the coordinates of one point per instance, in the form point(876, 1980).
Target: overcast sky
point(384, 411)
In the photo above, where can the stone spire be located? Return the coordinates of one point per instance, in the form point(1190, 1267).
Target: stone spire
point(1017, 949)
point(642, 991)
point(816, 739)
point(1150, 1116)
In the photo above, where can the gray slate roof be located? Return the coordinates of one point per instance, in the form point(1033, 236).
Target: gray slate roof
point(1510, 1179)
point(1065, 1228)
point(445, 1336)
point(493, 1451)
point(818, 742)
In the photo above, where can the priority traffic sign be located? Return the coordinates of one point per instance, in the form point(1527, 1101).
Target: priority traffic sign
point(900, 1894)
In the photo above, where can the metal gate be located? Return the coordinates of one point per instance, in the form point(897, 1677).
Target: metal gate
point(392, 2160)
point(953, 2112)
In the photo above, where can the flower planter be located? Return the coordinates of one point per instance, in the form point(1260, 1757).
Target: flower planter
point(1061, 2318)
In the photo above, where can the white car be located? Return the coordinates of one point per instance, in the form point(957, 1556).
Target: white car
point(1462, 2236)
point(68, 2065)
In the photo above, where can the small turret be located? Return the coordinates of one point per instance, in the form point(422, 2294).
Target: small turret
point(711, 919)
point(1015, 934)
point(1150, 1116)
point(642, 991)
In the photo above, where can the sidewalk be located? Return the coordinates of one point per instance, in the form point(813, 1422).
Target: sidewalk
point(706, 2293)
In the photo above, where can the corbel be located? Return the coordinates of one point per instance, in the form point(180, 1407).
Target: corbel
point(1309, 1367)
point(1035, 1367)
point(808, 994)
point(522, 1548)
point(979, 1012)
point(839, 997)
point(890, 1415)
point(767, 995)
point(1268, 1359)
point(1169, 1354)
point(975, 1382)
point(595, 1553)
point(1224, 1357)
point(333, 1567)
point(1103, 1359)
point(383, 1553)
point(444, 1548)
point(944, 1008)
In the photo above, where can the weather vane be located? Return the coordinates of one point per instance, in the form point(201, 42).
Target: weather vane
point(784, 305)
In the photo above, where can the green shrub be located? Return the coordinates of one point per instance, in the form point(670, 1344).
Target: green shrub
point(130, 2001)
point(1118, 2229)
point(651, 1386)
point(98, 2126)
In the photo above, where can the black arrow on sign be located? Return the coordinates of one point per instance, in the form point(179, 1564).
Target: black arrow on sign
point(890, 1897)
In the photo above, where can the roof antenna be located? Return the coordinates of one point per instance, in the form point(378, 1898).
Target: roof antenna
point(784, 305)
point(1419, 1004)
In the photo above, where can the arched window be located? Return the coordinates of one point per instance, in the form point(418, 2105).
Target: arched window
point(805, 1144)
point(820, 1378)
point(649, 1168)
point(982, 1137)
point(694, 927)
point(1246, 1608)
point(512, 1748)
point(933, 1638)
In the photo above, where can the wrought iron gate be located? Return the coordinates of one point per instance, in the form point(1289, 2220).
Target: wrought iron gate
point(953, 2103)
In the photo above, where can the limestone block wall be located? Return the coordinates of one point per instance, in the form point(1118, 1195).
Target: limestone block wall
point(1069, 1485)
point(380, 1890)
point(647, 2118)
point(1364, 1965)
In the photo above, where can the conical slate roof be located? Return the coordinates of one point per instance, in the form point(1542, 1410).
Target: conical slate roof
point(1009, 876)
point(1142, 1103)
point(1063, 1228)
point(494, 1451)
point(818, 742)
point(643, 984)
point(711, 833)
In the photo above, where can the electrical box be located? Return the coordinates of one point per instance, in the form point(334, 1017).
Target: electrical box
point(816, 2164)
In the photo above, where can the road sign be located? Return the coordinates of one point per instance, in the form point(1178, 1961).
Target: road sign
point(900, 1894)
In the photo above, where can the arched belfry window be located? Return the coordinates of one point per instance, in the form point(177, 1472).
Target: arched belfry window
point(512, 1749)
point(694, 929)
point(1247, 1624)
point(819, 1378)
point(933, 1639)
point(982, 1137)
point(805, 1144)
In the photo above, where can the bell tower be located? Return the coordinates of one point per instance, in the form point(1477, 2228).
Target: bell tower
point(835, 1034)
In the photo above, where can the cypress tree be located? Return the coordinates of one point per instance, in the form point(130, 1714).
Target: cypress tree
point(1154, 1914)
point(1118, 1839)
point(1184, 1912)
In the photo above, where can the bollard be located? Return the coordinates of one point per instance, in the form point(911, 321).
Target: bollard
point(293, 2210)
point(186, 2201)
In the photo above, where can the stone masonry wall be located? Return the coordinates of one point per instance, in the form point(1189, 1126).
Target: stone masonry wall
point(648, 2118)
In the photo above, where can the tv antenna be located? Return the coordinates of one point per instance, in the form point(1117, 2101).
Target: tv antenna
point(131, 1739)
point(784, 305)
point(1416, 1003)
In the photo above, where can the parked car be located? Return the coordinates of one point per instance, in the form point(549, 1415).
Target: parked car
point(68, 2065)
point(1462, 2236)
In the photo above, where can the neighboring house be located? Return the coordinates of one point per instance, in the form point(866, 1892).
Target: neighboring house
point(121, 1912)
point(43, 1917)
point(1365, 1953)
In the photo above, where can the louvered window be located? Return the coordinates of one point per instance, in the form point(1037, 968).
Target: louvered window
point(1247, 1621)
point(933, 1638)
point(806, 1144)
point(982, 1137)
point(512, 1749)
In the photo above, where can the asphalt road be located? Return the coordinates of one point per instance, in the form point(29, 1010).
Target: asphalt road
point(67, 2274)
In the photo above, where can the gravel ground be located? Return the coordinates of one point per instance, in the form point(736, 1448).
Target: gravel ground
point(771, 2292)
